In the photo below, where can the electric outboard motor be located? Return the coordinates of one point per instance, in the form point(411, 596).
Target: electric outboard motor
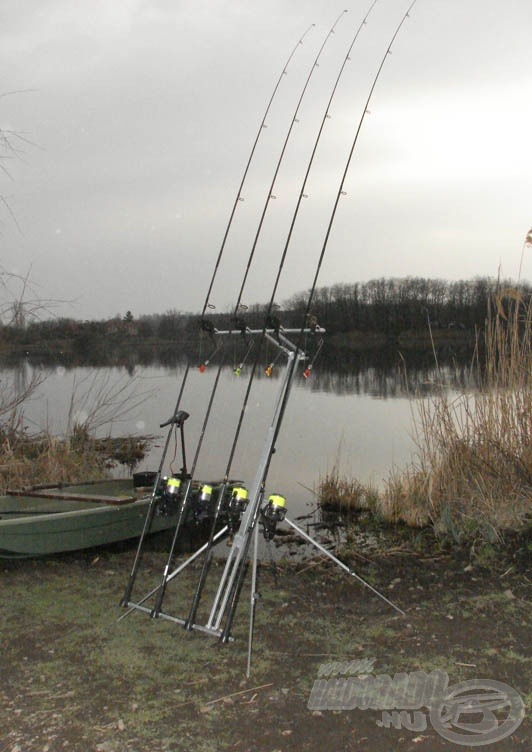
point(273, 512)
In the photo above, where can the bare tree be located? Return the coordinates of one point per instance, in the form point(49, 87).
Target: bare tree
point(20, 301)
point(13, 145)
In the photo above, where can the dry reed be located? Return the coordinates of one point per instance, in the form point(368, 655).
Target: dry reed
point(44, 458)
point(472, 475)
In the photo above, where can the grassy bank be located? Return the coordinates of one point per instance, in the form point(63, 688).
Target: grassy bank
point(471, 477)
point(74, 678)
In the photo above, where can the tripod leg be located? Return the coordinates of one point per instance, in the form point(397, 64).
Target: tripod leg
point(145, 530)
point(331, 556)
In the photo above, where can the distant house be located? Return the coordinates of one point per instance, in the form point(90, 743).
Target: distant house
point(118, 326)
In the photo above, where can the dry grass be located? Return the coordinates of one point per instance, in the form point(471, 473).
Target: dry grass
point(342, 494)
point(472, 474)
point(44, 458)
point(473, 471)
point(27, 461)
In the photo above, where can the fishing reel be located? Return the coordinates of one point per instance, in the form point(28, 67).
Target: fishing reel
point(273, 512)
point(202, 502)
point(169, 500)
point(236, 506)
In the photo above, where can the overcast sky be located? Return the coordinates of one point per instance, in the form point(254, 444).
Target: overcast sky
point(142, 114)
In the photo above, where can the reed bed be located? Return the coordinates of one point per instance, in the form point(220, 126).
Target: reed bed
point(42, 457)
point(340, 494)
point(474, 460)
point(471, 476)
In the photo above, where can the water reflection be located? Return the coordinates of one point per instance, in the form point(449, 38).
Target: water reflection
point(381, 374)
point(355, 413)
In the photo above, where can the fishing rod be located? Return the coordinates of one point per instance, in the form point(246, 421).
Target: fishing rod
point(222, 490)
point(203, 575)
point(302, 194)
point(340, 191)
point(234, 596)
point(208, 327)
point(238, 198)
point(227, 595)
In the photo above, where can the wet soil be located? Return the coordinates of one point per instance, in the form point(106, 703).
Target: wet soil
point(74, 678)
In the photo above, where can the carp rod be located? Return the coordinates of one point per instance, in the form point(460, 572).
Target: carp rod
point(171, 422)
point(236, 587)
point(326, 115)
point(221, 493)
point(207, 326)
point(302, 195)
point(340, 192)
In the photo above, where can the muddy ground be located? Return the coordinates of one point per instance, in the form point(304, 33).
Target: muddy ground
point(74, 678)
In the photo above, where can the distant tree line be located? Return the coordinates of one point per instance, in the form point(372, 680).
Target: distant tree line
point(392, 306)
point(389, 306)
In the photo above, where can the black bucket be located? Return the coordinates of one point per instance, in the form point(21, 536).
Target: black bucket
point(144, 480)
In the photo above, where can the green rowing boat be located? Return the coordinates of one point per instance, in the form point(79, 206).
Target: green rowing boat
point(54, 519)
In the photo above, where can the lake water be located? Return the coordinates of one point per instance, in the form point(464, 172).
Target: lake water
point(355, 417)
